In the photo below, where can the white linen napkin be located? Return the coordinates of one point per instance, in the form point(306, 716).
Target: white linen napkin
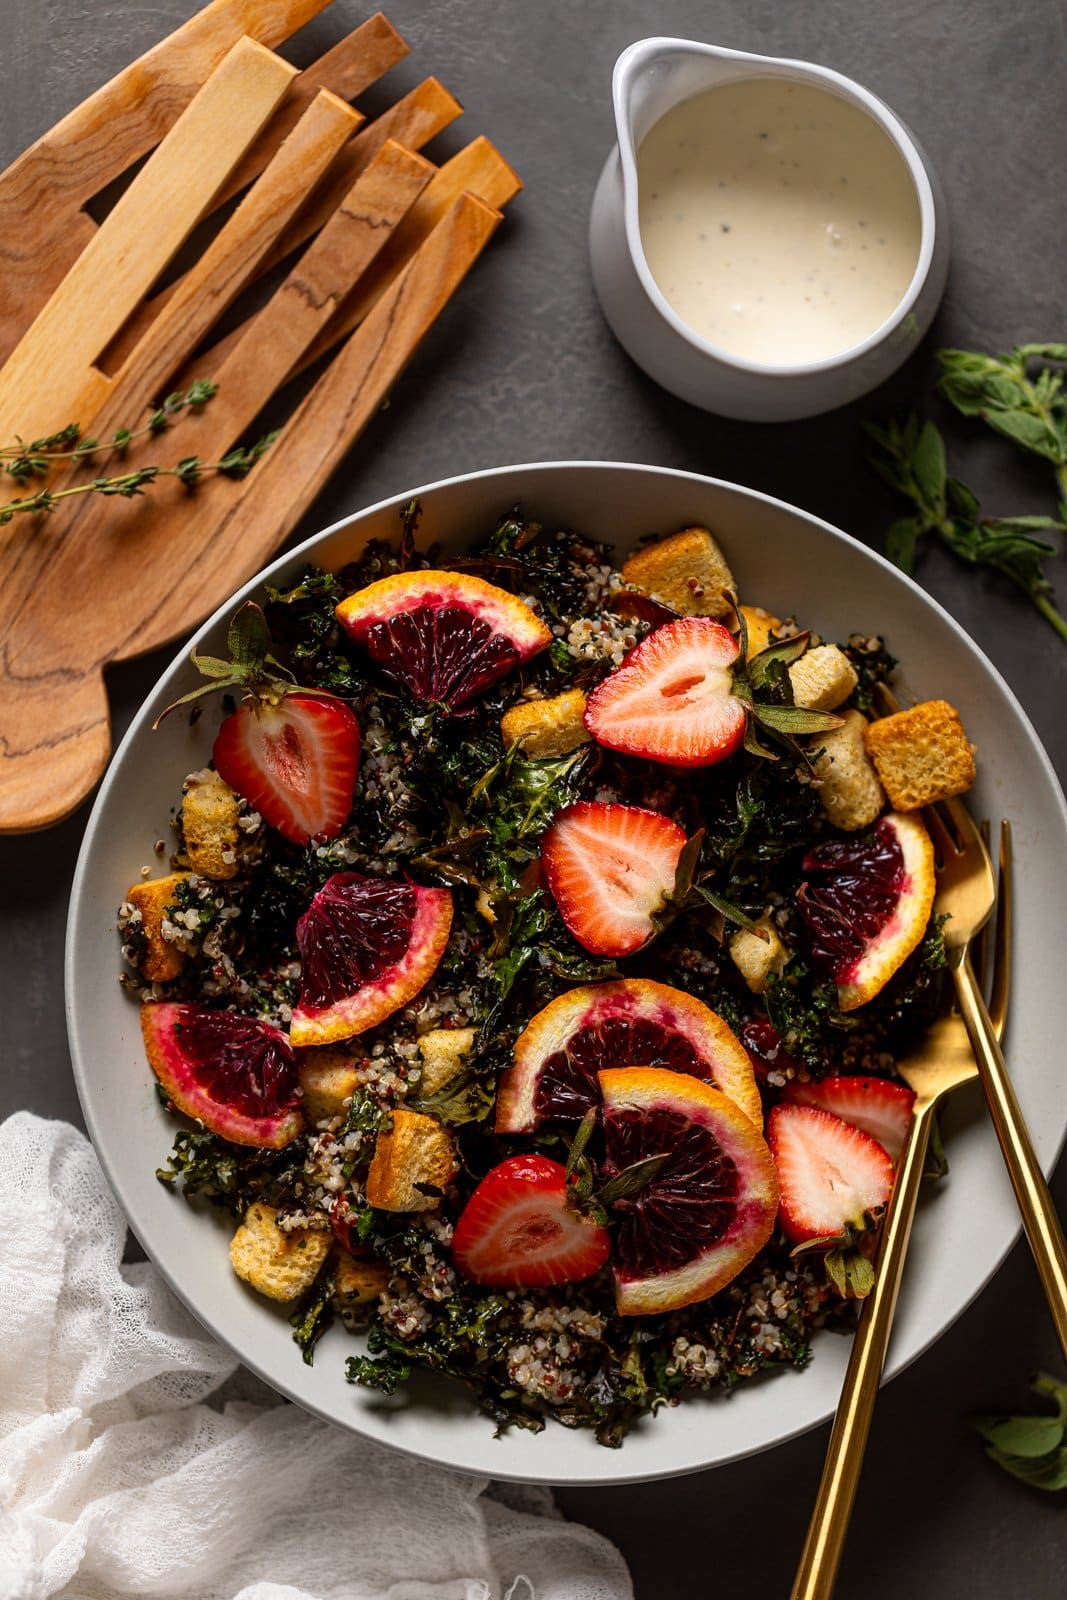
point(137, 1459)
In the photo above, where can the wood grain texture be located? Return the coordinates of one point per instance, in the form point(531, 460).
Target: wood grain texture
point(111, 130)
point(477, 169)
point(51, 372)
point(218, 277)
point(412, 122)
point(273, 342)
point(347, 69)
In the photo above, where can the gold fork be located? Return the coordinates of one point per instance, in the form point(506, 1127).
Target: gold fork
point(966, 893)
point(941, 1062)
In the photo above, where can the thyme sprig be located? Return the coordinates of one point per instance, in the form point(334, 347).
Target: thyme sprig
point(24, 462)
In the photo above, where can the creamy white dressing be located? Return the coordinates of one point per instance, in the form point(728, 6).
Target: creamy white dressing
point(780, 222)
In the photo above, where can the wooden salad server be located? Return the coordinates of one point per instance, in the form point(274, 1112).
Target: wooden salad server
point(365, 241)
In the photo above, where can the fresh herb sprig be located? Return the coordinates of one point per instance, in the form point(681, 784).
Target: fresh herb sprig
point(25, 462)
point(1029, 410)
point(1031, 1448)
point(22, 461)
point(910, 457)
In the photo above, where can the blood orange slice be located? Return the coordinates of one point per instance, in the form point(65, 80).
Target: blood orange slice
point(445, 636)
point(710, 1208)
point(631, 1023)
point(235, 1075)
point(866, 903)
point(367, 945)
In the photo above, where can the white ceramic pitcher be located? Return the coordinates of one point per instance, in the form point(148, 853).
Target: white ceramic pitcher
point(650, 78)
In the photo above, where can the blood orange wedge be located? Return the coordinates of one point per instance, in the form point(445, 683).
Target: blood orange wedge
point(866, 903)
point(367, 946)
point(235, 1075)
point(445, 636)
point(708, 1210)
point(631, 1023)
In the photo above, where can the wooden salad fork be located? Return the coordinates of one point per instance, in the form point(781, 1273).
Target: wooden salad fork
point(941, 1062)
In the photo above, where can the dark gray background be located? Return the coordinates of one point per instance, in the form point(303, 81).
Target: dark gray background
point(523, 368)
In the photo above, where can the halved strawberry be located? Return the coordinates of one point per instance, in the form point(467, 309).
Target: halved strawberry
point(672, 699)
point(517, 1232)
point(295, 762)
point(831, 1176)
point(876, 1105)
point(610, 869)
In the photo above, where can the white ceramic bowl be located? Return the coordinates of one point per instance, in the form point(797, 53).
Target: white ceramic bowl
point(650, 78)
point(783, 559)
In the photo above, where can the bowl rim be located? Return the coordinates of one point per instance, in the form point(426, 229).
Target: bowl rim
point(101, 806)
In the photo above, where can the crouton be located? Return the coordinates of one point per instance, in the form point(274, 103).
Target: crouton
point(822, 678)
point(688, 572)
point(162, 960)
point(358, 1283)
point(546, 727)
point(849, 789)
point(444, 1054)
point(921, 755)
point(328, 1077)
point(280, 1263)
point(209, 823)
point(760, 625)
point(758, 960)
point(415, 1151)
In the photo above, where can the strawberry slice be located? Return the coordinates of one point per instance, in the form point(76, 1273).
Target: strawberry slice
point(295, 762)
point(876, 1105)
point(610, 869)
point(517, 1232)
point(672, 699)
point(830, 1175)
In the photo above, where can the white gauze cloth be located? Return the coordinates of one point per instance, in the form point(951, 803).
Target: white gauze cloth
point(133, 1461)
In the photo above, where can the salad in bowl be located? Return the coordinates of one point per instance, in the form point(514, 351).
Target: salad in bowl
point(532, 964)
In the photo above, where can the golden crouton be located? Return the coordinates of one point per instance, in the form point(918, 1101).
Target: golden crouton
point(688, 572)
point(415, 1150)
point(209, 823)
point(849, 789)
point(822, 678)
point(358, 1283)
point(281, 1264)
point(328, 1077)
point(546, 727)
point(757, 960)
point(444, 1053)
point(760, 625)
point(921, 755)
point(162, 960)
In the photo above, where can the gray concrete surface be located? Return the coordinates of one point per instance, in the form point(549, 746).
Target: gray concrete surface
point(522, 367)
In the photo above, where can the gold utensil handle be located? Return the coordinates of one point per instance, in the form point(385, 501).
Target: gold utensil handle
point(828, 1527)
point(1040, 1221)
